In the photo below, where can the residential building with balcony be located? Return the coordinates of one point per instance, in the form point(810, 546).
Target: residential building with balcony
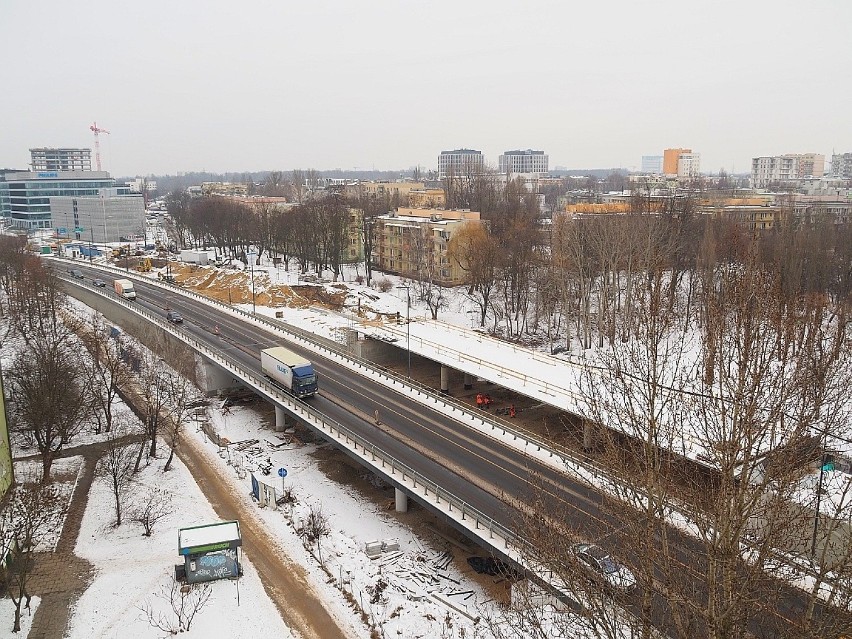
point(780, 169)
point(841, 165)
point(413, 241)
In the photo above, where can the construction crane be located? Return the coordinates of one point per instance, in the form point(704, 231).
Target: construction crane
point(94, 129)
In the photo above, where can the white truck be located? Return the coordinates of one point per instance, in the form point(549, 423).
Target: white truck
point(125, 289)
point(290, 371)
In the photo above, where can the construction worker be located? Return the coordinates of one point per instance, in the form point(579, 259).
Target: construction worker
point(486, 399)
point(479, 400)
point(512, 411)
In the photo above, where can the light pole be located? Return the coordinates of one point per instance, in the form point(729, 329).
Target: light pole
point(251, 263)
point(407, 325)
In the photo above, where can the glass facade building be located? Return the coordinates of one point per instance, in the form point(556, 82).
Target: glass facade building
point(25, 196)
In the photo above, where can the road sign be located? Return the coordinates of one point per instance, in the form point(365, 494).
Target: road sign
point(79, 229)
point(282, 472)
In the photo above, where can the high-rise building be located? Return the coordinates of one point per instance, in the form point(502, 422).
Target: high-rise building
point(841, 165)
point(528, 161)
point(460, 162)
point(57, 159)
point(25, 195)
point(670, 160)
point(652, 164)
point(688, 166)
point(785, 168)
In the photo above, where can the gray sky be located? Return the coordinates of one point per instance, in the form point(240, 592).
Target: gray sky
point(386, 84)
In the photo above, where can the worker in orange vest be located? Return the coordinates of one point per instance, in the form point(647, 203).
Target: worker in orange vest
point(512, 411)
point(479, 400)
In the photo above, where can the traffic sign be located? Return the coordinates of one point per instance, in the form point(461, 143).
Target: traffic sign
point(282, 472)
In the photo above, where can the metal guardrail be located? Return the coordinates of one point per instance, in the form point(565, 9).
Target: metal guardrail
point(491, 532)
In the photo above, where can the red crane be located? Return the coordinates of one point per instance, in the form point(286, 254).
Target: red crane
point(94, 129)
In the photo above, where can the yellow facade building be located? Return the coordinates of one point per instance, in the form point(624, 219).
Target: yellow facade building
point(412, 241)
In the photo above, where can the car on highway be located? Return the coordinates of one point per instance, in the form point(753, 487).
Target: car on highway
point(174, 317)
point(602, 568)
point(75, 272)
point(99, 282)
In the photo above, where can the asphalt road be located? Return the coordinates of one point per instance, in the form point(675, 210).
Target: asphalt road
point(485, 473)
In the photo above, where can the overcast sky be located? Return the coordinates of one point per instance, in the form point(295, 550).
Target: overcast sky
point(387, 84)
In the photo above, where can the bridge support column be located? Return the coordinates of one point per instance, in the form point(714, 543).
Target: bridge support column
point(588, 434)
point(401, 501)
point(280, 419)
point(445, 379)
point(214, 379)
point(468, 381)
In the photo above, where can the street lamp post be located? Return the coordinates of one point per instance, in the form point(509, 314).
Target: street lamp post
point(251, 263)
point(407, 325)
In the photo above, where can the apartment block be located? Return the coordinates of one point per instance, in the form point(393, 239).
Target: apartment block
point(412, 241)
point(841, 165)
point(670, 160)
point(790, 167)
point(460, 162)
point(527, 161)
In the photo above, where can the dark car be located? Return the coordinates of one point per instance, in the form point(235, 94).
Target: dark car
point(98, 282)
point(174, 317)
point(602, 567)
point(75, 272)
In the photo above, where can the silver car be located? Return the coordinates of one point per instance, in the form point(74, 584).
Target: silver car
point(602, 567)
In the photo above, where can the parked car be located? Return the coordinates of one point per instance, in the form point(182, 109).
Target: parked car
point(75, 272)
point(602, 567)
point(174, 317)
point(99, 282)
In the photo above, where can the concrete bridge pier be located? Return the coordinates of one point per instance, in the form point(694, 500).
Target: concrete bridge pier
point(283, 419)
point(401, 501)
point(215, 379)
point(468, 381)
point(445, 379)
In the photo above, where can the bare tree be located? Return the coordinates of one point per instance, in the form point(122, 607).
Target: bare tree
point(184, 601)
point(155, 506)
point(116, 468)
point(49, 398)
point(108, 371)
point(33, 510)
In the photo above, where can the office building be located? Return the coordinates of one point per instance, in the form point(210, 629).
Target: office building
point(779, 169)
point(113, 215)
point(25, 195)
point(670, 160)
point(652, 164)
point(528, 161)
point(60, 159)
point(460, 162)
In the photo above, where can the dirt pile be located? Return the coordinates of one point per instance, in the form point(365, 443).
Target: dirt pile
point(234, 287)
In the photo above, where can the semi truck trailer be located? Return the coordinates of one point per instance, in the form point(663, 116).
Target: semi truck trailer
point(290, 371)
point(125, 289)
